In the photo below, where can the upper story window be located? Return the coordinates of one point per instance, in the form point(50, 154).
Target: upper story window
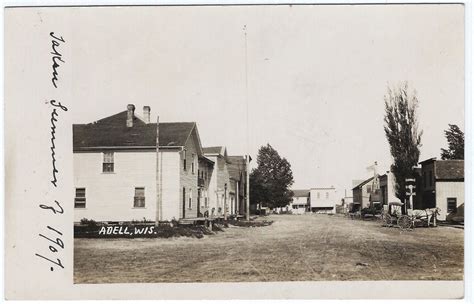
point(108, 164)
point(318, 195)
point(184, 160)
point(80, 199)
point(192, 163)
point(369, 188)
point(327, 194)
point(139, 199)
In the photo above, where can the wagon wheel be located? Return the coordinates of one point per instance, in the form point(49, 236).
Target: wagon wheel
point(387, 220)
point(404, 222)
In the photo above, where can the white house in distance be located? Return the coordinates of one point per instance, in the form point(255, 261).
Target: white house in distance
point(300, 202)
point(323, 200)
point(128, 168)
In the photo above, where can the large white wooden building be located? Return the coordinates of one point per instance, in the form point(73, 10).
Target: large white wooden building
point(128, 168)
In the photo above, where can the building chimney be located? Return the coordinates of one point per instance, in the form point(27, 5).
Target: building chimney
point(146, 114)
point(130, 114)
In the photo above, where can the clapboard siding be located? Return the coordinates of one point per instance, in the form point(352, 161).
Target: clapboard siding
point(170, 184)
point(219, 178)
point(445, 190)
point(110, 196)
point(212, 192)
point(188, 179)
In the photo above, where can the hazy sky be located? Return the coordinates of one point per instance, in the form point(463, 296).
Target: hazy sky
point(317, 76)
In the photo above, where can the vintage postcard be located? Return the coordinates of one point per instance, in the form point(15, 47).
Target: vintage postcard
point(286, 151)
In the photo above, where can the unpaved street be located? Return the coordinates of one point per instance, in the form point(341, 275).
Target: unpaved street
point(293, 248)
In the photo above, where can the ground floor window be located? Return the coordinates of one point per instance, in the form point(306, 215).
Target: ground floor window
point(452, 204)
point(80, 199)
point(139, 199)
point(190, 203)
point(299, 206)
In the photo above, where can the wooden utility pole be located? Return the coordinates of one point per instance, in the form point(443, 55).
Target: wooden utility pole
point(225, 202)
point(247, 157)
point(237, 198)
point(247, 186)
point(158, 175)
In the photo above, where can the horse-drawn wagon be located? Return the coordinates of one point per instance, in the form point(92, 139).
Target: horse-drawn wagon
point(394, 217)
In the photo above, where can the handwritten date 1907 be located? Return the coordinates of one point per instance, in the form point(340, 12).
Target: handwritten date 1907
point(52, 247)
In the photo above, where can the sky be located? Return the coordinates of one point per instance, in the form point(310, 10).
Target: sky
point(309, 80)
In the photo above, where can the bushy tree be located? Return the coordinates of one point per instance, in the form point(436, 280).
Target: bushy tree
point(401, 130)
point(271, 180)
point(455, 138)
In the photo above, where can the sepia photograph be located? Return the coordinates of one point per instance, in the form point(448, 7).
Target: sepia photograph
point(270, 151)
point(258, 151)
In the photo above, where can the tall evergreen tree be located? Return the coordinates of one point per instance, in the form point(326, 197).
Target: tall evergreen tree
point(455, 138)
point(401, 130)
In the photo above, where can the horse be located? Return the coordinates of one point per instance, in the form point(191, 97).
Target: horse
point(428, 213)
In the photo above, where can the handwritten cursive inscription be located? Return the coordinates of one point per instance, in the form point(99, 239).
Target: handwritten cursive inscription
point(52, 235)
point(54, 115)
point(57, 56)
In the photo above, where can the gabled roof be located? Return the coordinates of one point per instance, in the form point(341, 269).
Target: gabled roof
point(363, 183)
point(207, 160)
point(216, 151)
point(113, 132)
point(301, 193)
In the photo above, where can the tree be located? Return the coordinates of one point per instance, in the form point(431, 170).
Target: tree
point(455, 138)
point(401, 130)
point(270, 181)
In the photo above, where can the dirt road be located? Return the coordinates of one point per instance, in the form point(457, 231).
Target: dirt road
point(293, 248)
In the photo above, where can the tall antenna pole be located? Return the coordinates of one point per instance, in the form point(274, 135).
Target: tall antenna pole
point(247, 157)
